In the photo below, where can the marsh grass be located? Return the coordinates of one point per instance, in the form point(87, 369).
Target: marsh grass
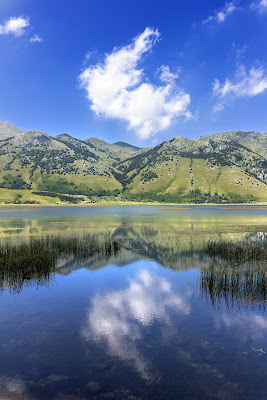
point(241, 251)
point(235, 285)
point(85, 245)
point(35, 261)
point(238, 275)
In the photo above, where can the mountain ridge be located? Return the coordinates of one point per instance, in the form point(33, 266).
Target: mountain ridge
point(8, 130)
point(223, 167)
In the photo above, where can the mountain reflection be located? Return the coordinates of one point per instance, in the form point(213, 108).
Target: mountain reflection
point(119, 318)
point(39, 261)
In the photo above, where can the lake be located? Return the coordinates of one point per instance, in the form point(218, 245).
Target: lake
point(157, 319)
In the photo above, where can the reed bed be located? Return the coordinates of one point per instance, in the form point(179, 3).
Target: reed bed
point(235, 285)
point(241, 251)
point(35, 261)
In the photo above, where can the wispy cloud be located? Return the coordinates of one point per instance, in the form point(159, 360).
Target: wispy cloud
point(15, 26)
point(88, 56)
point(36, 39)
point(117, 89)
point(261, 5)
point(239, 51)
point(243, 84)
point(166, 75)
point(221, 15)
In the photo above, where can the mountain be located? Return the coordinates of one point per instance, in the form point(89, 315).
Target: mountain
point(181, 168)
point(127, 146)
point(255, 141)
point(112, 153)
point(61, 164)
point(221, 168)
point(8, 130)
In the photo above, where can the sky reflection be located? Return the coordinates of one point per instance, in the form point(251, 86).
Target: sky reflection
point(119, 317)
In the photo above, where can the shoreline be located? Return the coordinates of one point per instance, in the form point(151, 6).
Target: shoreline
point(138, 204)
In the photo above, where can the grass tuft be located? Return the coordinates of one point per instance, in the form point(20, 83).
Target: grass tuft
point(35, 261)
point(242, 251)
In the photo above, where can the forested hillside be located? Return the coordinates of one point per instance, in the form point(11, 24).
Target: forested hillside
point(228, 167)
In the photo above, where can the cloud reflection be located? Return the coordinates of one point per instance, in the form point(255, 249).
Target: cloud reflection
point(250, 327)
point(118, 317)
point(12, 385)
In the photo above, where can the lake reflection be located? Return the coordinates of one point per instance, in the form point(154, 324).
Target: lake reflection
point(119, 317)
point(157, 319)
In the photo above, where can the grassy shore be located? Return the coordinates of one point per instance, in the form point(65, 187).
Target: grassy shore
point(10, 197)
point(136, 203)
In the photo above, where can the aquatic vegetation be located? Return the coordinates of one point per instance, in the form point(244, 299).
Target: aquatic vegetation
point(35, 261)
point(84, 245)
point(22, 263)
point(235, 285)
point(241, 251)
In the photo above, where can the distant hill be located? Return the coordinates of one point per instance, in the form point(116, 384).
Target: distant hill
point(126, 145)
point(253, 140)
point(8, 130)
point(112, 153)
point(220, 168)
point(182, 169)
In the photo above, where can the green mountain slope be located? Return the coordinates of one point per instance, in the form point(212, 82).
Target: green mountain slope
point(215, 168)
point(254, 141)
point(127, 146)
point(62, 165)
point(112, 153)
point(212, 168)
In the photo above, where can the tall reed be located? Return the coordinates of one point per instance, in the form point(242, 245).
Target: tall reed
point(235, 285)
point(35, 261)
point(240, 251)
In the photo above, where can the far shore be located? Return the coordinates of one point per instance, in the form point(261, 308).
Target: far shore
point(171, 206)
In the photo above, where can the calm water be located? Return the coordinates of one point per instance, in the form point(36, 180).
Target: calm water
point(160, 320)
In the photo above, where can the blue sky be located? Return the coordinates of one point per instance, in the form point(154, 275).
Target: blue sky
point(136, 71)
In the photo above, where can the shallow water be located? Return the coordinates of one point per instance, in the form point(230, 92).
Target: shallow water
point(159, 320)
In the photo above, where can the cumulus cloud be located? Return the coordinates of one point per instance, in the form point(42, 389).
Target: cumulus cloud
point(118, 317)
point(36, 39)
point(244, 84)
point(15, 26)
point(117, 89)
point(261, 6)
point(220, 16)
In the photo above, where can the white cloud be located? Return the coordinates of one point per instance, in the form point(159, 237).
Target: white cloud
point(119, 317)
point(117, 89)
point(14, 26)
point(166, 75)
point(218, 107)
point(239, 51)
point(261, 6)
point(244, 84)
point(88, 55)
point(221, 15)
point(252, 328)
point(36, 39)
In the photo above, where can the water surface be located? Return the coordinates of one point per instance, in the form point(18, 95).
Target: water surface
point(158, 320)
